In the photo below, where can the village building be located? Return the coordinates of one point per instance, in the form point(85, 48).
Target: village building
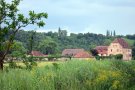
point(37, 53)
point(76, 53)
point(102, 50)
point(118, 46)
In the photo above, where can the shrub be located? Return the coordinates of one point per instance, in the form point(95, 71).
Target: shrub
point(12, 65)
point(118, 56)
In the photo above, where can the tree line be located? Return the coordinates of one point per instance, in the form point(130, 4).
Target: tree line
point(56, 42)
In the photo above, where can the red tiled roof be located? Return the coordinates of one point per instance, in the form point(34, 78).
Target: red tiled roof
point(102, 49)
point(82, 55)
point(37, 53)
point(71, 51)
point(122, 42)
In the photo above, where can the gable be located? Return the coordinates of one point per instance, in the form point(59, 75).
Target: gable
point(122, 42)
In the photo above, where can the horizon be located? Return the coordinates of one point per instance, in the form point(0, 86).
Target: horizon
point(82, 16)
point(68, 33)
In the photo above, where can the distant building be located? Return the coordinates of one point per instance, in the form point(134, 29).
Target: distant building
point(37, 53)
point(102, 50)
point(76, 53)
point(118, 46)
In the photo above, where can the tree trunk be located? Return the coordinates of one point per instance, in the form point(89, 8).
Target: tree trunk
point(1, 60)
point(1, 63)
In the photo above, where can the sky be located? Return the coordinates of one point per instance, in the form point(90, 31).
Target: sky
point(82, 16)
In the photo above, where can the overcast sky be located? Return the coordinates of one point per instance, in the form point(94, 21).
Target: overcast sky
point(81, 16)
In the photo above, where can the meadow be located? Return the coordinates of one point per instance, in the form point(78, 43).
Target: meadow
point(72, 75)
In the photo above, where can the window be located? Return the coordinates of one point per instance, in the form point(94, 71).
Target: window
point(117, 50)
point(111, 50)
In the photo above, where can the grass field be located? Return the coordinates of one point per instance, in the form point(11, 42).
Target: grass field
point(39, 63)
point(72, 75)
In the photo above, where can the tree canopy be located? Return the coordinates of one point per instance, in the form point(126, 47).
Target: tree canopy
point(13, 21)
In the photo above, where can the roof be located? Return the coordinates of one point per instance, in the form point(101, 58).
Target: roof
point(37, 53)
point(122, 42)
point(71, 51)
point(102, 49)
point(82, 55)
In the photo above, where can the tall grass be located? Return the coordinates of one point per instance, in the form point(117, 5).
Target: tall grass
point(72, 75)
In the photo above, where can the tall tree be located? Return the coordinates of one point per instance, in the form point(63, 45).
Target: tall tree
point(12, 20)
point(111, 33)
point(114, 33)
point(107, 33)
point(31, 40)
point(59, 31)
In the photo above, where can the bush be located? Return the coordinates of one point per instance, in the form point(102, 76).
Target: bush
point(12, 65)
point(118, 56)
point(30, 62)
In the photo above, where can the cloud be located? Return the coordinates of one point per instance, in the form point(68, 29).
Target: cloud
point(85, 15)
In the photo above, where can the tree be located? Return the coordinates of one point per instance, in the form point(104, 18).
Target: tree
point(12, 20)
point(17, 49)
point(111, 33)
point(94, 52)
point(48, 46)
point(114, 33)
point(107, 33)
point(31, 40)
point(133, 51)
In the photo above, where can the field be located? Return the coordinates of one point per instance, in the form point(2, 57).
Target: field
point(72, 75)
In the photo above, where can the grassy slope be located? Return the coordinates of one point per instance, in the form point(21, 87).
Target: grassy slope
point(130, 42)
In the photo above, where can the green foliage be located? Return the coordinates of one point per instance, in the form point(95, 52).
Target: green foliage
point(56, 66)
point(130, 41)
point(31, 40)
point(133, 53)
point(118, 56)
point(18, 50)
point(12, 65)
point(72, 75)
point(29, 62)
point(53, 57)
point(94, 52)
point(13, 21)
point(111, 57)
point(48, 46)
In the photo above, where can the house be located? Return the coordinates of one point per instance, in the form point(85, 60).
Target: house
point(37, 53)
point(76, 53)
point(102, 50)
point(118, 46)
